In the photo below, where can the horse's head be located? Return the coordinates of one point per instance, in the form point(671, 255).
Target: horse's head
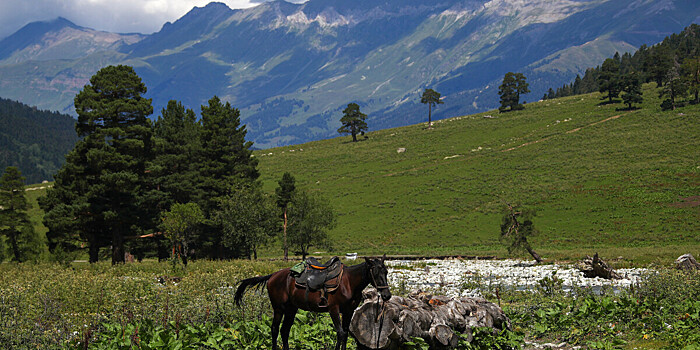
point(378, 272)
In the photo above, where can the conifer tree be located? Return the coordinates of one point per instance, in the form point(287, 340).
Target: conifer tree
point(223, 162)
point(171, 176)
point(353, 121)
point(514, 85)
point(111, 157)
point(431, 98)
point(14, 221)
point(631, 89)
point(609, 78)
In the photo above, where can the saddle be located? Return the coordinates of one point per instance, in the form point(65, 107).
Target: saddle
point(320, 277)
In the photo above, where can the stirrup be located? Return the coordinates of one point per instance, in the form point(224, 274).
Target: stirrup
point(323, 302)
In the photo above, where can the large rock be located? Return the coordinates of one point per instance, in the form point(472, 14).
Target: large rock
point(431, 317)
point(686, 262)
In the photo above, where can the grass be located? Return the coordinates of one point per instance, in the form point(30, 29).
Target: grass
point(619, 185)
point(153, 305)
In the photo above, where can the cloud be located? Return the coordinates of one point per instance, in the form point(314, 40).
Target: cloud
point(121, 16)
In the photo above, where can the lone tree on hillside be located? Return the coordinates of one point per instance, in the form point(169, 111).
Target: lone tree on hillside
point(284, 196)
point(515, 228)
point(431, 98)
point(14, 220)
point(514, 85)
point(353, 121)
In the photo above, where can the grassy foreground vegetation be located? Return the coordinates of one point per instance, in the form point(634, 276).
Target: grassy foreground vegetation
point(601, 179)
point(150, 305)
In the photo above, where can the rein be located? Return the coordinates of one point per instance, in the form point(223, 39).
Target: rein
point(380, 316)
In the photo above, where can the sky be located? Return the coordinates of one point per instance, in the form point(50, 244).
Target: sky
point(121, 16)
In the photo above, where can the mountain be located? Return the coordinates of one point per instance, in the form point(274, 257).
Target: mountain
point(33, 140)
point(292, 68)
point(58, 39)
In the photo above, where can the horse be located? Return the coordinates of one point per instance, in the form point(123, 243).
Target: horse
point(286, 298)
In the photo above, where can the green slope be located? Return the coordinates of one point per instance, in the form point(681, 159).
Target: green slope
point(625, 182)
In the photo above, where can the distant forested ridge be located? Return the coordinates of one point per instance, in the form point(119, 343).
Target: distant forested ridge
point(33, 140)
point(653, 63)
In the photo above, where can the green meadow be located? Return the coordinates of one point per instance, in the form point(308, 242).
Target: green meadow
point(602, 179)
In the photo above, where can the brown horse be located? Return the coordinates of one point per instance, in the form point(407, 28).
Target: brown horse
point(286, 298)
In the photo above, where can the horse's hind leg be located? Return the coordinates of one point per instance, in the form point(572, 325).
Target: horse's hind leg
point(287, 323)
point(276, 318)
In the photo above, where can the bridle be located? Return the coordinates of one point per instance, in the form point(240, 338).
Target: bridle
point(374, 281)
point(380, 316)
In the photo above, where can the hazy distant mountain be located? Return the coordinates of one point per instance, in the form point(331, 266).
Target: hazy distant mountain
point(292, 68)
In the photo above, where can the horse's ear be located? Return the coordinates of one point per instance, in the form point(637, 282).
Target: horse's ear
point(367, 260)
point(383, 258)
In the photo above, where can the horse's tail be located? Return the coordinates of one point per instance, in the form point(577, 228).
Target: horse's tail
point(255, 282)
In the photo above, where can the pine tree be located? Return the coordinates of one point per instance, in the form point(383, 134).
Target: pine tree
point(609, 78)
point(672, 87)
point(353, 121)
point(431, 98)
point(14, 220)
point(631, 89)
point(514, 85)
point(691, 74)
point(69, 214)
point(171, 176)
point(112, 155)
point(224, 161)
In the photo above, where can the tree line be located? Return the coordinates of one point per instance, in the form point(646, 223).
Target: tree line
point(177, 187)
point(673, 64)
point(34, 140)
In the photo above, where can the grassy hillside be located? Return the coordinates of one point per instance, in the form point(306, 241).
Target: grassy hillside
point(598, 177)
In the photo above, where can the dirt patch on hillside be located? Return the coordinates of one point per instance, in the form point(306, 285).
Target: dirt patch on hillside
point(688, 202)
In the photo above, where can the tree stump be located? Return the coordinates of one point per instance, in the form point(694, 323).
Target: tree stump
point(595, 267)
point(434, 318)
point(686, 262)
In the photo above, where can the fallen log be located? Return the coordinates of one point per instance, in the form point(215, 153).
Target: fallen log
point(686, 262)
point(596, 267)
point(434, 318)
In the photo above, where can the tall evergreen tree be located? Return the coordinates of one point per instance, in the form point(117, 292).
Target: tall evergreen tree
point(431, 98)
point(284, 192)
point(609, 78)
point(631, 89)
point(691, 73)
point(673, 87)
point(112, 155)
point(69, 215)
point(171, 175)
point(14, 221)
point(224, 161)
point(353, 121)
point(514, 85)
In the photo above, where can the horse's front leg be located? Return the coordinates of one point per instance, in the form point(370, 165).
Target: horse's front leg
point(342, 335)
point(276, 319)
point(347, 317)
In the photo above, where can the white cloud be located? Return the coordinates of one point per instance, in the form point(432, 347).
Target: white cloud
point(122, 16)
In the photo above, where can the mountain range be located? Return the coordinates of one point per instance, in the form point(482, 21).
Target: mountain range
point(292, 68)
